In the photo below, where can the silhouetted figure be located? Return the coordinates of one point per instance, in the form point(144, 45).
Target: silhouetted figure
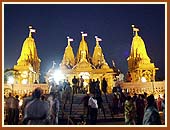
point(81, 84)
point(104, 85)
point(151, 114)
point(16, 119)
point(75, 85)
point(36, 111)
point(129, 111)
point(140, 106)
point(12, 105)
point(85, 100)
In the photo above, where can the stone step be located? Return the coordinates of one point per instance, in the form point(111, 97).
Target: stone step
point(77, 108)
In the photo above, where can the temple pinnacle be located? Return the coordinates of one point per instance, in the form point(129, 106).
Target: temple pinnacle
point(31, 30)
point(135, 30)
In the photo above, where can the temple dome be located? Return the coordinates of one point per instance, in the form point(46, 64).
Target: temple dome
point(29, 52)
point(82, 48)
point(138, 49)
point(68, 58)
point(98, 56)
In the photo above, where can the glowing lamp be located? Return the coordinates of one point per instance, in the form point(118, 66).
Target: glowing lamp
point(10, 80)
point(143, 79)
point(24, 81)
point(58, 76)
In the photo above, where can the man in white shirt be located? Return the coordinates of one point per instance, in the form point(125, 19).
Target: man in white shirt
point(93, 107)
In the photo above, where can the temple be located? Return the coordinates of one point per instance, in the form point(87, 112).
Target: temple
point(139, 64)
point(85, 65)
point(28, 64)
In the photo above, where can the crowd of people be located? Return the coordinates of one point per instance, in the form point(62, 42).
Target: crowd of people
point(40, 109)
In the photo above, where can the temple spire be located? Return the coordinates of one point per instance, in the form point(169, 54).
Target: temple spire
point(98, 57)
point(139, 64)
point(68, 58)
point(31, 30)
point(28, 61)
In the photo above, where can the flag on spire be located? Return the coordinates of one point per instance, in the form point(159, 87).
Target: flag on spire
point(84, 34)
point(135, 30)
point(31, 31)
point(70, 39)
point(98, 39)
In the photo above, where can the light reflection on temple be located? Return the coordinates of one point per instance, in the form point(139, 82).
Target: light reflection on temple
point(89, 66)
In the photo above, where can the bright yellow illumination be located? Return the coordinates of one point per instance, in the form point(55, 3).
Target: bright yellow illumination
point(143, 79)
point(85, 75)
point(20, 102)
point(24, 81)
point(10, 80)
point(58, 76)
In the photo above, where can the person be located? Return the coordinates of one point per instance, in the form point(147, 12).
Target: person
point(140, 107)
point(60, 91)
point(115, 104)
point(75, 83)
point(16, 119)
point(90, 86)
point(97, 87)
point(65, 82)
point(81, 84)
point(12, 105)
point(36, 111)
point(129, 110)
point(26, 100)
point(100, 103)
point(151, 114)
point(163, 109)
point(35, 82)
point(104, 85)
point(93, 107)
point(68, 93)
point(85, 100)
point(159, 102)
point(53, 109)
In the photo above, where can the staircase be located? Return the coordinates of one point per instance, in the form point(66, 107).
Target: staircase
point(77, 109)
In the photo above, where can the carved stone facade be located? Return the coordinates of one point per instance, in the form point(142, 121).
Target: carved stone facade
point(156, 88)
point(84, 65)
point(139, 64)
point(28, 64)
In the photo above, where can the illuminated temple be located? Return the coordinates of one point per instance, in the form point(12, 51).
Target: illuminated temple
point(139, 64)
point(28, 64)
point(85, 65)
point(94, 66)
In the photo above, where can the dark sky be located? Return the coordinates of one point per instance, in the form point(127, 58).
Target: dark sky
point(111, 22)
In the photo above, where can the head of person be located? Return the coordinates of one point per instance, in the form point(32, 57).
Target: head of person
point(150, 100)
point(37, 93)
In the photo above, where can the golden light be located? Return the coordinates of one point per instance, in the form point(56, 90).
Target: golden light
point(24, 81)
point(20, 102)
point(85, 75)
point(58, 76)
point(143, 79)
point(10, 80)
point(24, 74)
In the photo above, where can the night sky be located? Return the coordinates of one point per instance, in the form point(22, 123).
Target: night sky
point(111, 22)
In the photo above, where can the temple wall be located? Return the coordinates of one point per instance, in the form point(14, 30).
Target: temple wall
point(156, 88)
point(22, 89)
